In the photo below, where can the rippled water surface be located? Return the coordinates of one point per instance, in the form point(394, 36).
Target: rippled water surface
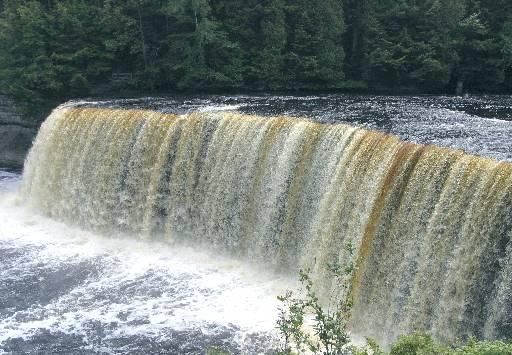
point(477, 124)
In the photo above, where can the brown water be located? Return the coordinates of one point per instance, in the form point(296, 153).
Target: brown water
point(431, 225)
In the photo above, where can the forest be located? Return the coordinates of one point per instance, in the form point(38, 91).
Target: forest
point(54, 50)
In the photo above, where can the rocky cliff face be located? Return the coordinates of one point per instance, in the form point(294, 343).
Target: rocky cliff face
point(16, 134)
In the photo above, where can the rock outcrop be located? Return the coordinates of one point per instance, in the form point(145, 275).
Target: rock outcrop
point(16, 134)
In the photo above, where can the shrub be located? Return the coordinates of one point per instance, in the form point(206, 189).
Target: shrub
point(485, 348)
point(417, 344)
point(330, 334)
point(329, 324)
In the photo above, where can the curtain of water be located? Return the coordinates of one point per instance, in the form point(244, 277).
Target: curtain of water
point(431, 226)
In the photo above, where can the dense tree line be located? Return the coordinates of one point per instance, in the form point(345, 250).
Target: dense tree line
point(52, 50)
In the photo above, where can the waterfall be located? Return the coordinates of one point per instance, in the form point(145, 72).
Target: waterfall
point(431, 226)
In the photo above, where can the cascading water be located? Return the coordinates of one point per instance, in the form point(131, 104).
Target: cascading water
point(432, 226)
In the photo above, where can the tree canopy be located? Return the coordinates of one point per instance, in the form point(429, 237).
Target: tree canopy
point(53, 50)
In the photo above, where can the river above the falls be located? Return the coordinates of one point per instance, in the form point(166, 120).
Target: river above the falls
point(478, 124)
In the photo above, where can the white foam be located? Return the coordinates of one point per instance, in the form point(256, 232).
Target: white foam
point(142, 287)
point(212, 108)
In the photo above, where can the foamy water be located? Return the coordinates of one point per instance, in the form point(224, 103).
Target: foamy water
point(64, 289)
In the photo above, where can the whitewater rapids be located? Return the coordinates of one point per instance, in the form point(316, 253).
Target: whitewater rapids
point(63, 289)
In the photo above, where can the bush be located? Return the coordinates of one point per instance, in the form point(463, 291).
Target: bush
point(329, 324)
point(423, 344)
point(417, 344)
point(216, 351)
point(485, 348)
point(330, 335)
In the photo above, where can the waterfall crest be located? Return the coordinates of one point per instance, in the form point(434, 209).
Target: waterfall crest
point(432, 226)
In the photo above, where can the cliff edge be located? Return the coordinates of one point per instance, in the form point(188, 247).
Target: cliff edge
point(16, 134)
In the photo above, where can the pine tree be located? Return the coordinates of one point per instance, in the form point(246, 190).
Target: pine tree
point(200, 53)
point(315, 54)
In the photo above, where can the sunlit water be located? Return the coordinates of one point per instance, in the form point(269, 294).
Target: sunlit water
point(63, 290)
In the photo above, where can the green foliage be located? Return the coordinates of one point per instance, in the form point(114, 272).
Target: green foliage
point(371, 348)
point(51, 51)
point(216, 351)
point(309, 326)
point(417, 344)
point(315, 52)
point(484, 348)
point(422, 344)
point(434, 44)
point(331, 337)
point(329, 324)
point(200, 53)
point(506, 37)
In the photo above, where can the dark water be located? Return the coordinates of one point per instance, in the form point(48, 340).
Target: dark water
point(477, 124)
point(66, 291)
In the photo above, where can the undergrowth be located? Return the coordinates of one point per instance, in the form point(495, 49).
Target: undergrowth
point(307, 327)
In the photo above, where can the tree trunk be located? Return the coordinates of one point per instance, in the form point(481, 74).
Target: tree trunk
point(357, 53)
point(142, 37)
point(460, 87)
